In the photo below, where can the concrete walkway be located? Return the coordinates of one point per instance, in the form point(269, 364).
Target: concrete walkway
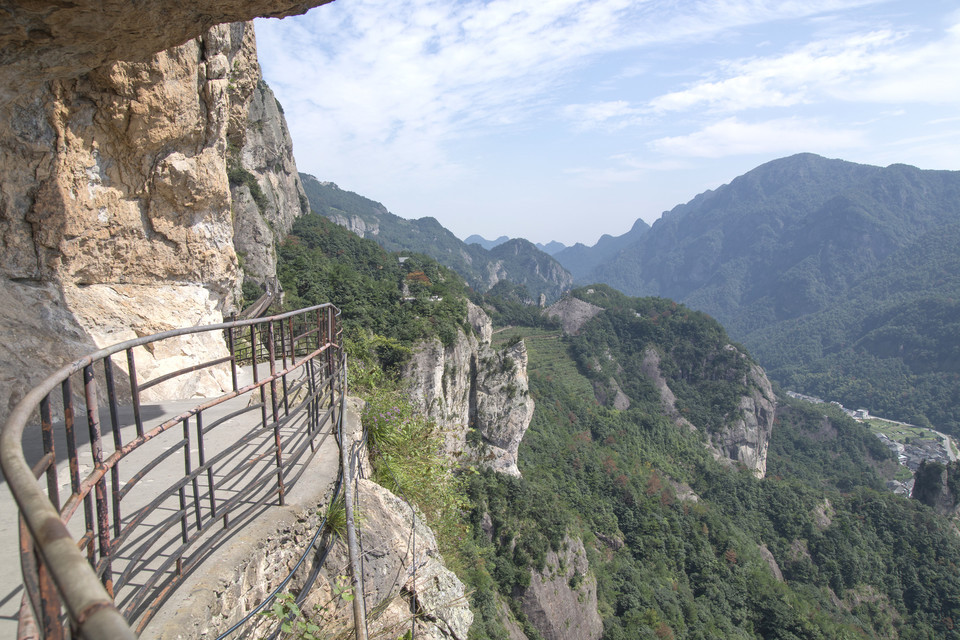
point(143, 557)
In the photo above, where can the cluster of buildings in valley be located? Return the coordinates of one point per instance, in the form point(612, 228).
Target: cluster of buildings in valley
point(910, 453)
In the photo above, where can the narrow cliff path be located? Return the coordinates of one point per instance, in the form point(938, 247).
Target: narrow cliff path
point(251, 461)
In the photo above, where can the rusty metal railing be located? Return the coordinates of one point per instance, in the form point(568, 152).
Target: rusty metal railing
point(170, 488)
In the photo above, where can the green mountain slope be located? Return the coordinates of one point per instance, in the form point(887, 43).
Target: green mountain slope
point(892, 345)
point(581, 260)
point(684, 547)
point(516, 260)
point(680, 546)
point(837, 275)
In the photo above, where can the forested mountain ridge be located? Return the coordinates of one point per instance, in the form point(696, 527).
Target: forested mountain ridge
point(685, 547)
point(833, 273)
point(515, 260)
point(626, 505)
point(581, 260)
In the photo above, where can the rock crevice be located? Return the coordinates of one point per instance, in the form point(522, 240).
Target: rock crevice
point(479, 396)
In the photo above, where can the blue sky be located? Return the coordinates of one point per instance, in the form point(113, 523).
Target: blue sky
point(566, 119)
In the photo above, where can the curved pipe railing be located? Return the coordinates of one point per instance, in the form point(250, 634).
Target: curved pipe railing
point(124, 563)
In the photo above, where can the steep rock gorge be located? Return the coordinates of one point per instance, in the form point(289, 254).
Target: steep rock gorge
point(479, 396)
point(118, 215)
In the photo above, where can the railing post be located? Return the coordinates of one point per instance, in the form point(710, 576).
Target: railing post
point(283, 355)
point(117, 442)
point(276, 411)
point(134, 391)
point(256, 375)
point(233, 358)
point(46, 428)
point(100, 489)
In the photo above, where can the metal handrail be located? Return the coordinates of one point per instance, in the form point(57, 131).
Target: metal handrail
point(77, 575)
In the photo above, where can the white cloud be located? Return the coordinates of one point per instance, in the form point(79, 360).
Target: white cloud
point(623, 168)
point(611, 115)
point(781, 136)
point(396, 83)
point(881, 66)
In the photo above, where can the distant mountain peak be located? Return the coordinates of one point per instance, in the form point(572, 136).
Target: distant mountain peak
point(483, 242)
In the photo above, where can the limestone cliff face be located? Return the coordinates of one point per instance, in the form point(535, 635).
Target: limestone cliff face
point(45, 40)
point(116, 207)
point(746, 436)
point(479, 396)
point(573, 313)
point(405, 576)
point(561, 601)
point(264, 183)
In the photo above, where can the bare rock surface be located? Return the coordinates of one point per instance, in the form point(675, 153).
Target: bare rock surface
point(403, 572)
point(573, 313)
point(44, 40)
point(561, 601)
point(117, 216)
point(745, 439)
point(468, 385)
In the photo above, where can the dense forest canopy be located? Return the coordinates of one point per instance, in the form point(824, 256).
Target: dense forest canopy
point(680, 544)
point(842, 279)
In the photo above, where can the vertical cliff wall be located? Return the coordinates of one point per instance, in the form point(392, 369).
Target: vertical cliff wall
point(479, 396)
point(118, 216)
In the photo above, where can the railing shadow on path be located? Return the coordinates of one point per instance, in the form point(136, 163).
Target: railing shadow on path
point(120, 499)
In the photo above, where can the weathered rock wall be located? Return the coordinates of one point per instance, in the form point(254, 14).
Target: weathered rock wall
point(479, 396)
point(265, 187)
point(116, 211)
point(561, 601)
point(43, 40)
point(745, 439)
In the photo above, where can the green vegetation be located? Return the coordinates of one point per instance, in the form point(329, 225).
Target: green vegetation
point(858, 562)
point(520, 260)
point(378, 294)
point(842, 279)
point(675, 539)
point(408, 458)
point(892, 345)
point(511, 304)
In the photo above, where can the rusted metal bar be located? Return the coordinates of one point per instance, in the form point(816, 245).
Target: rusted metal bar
point(233, 358)
point(51, 558)
point(182, 491)
point(283, 355)
point(134, 390)
point(49, 448)
point(211, 484)
point(100, 488)
point(276, 412)
point(117, 442)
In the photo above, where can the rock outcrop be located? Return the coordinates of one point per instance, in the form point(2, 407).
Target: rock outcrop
point(573, 313)
point(935, 485)
point(479, 396)
point(46, 40)
point(403, 574)
point(561, 601)
point(265, 186)
point(116, 208)
point(745, 438)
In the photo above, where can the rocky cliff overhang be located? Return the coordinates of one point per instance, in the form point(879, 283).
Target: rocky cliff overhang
point(43, 40)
